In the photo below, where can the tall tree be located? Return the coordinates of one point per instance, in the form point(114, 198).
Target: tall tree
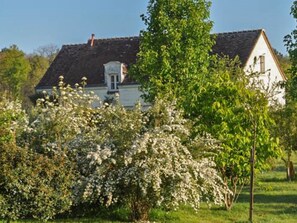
point(286, 130)
point(174, 50)
point(291, 44)
point(39, 65)
point(174, 61)
point(233, 110)
point(14, 68)
point(287, 115)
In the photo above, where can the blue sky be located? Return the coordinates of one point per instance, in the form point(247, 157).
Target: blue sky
point(33, 23)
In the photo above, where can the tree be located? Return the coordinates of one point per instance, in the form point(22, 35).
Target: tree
point(291, 44)
point(14, 69)
point(233, 110)
point(287, 116)
point(39, 65)
point(174, 50)
point(174, 61)
point(142, 160)
point(286, 130)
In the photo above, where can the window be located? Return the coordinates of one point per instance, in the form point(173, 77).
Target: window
point(114, 74)
point(262, 64)
point(114, 80)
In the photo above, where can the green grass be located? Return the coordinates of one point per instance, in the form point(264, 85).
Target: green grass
point(275, 201)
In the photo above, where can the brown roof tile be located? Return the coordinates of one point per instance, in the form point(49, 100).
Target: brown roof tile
point(76, 61)
point(234, 44)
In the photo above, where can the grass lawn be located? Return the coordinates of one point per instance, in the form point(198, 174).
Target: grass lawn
point(275, 201)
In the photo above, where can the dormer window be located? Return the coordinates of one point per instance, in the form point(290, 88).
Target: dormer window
point(262, 64)
point(114, 74)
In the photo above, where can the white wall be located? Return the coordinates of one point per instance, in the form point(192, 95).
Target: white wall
point(129, 95)
point(273, 74)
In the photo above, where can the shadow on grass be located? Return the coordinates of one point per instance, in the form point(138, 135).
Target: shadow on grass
point(280, 168)
point(266, 198)
point(93, 212)
point(289, 210)
point(275, 180)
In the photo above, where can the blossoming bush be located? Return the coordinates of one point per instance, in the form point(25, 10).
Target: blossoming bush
point(37, 168)
point(31, 184)
point(142, 160)
point(60, 118)
point(68, 152)
point(13, 121)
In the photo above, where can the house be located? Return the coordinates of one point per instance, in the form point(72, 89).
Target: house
point(105, 63)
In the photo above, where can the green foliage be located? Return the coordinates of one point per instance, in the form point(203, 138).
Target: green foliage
point(284, 61)
point(174, 62)
point(174, 50)
point(286, 130)
point(275, 201)
point(286, 116)
point(291, 44)
point(32, 184)
point(232, 109)
point(13, 120)
point(14, 69)
point(20, 73)
point(39, 65)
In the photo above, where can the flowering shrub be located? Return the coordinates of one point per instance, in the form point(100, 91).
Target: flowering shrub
point(68, 151)
point(13, 120)
point(141, 160)
point(31, 184)
point(37, 168)
point(60, 118)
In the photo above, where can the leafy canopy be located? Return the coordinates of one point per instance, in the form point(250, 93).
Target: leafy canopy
point(14, 68)
point(174, 50)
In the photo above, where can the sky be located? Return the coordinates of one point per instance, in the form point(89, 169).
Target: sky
point(35, 23)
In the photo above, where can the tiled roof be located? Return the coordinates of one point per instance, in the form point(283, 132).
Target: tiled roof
point(234, 44)
point(76, 61)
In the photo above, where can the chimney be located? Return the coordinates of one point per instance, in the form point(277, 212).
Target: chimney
point(91, 41)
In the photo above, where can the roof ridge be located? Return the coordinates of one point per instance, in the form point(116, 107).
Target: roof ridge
point(137, 37)
point(118, 38)
point(241, 31)
point(99, 40)
point(73, 44)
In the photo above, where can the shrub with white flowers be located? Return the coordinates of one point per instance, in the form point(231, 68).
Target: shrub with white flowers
point(68, 151)
point(142, 160)
point(37, 165)
point(32, 184)
point(61, 117)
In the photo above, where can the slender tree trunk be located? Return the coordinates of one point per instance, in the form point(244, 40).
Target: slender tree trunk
point(252, 163)
point(140, 209)
point(252, 185)
point(290, 168)
point(140, 212)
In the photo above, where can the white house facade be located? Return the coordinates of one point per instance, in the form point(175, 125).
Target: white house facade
point(263, 61)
